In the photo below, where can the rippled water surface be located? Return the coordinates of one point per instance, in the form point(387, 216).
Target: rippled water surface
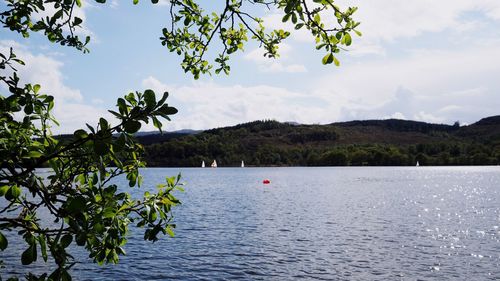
point(408, 223)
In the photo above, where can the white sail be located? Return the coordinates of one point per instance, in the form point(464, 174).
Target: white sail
point(203, 164)
point(214, 164)
point(417, 164)
point(242, 164)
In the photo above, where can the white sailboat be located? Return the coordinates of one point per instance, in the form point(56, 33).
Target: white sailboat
point(417, 164)
point(242, 164)
point(214, 164)
point(203, 164)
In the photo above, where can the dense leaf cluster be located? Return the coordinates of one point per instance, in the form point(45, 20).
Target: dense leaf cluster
point(192, 29)
point(84, 207)
point(25, 17)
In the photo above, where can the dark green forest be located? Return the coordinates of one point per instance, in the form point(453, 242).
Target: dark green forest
point(358, 143)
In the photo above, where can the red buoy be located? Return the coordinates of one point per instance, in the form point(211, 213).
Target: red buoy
point(266, 181)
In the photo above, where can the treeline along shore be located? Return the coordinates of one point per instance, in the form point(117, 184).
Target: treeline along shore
point(389, 142)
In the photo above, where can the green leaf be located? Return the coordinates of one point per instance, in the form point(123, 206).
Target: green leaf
point(90, 128)
point(348, 39)
point(150, 98)
point(163, 99)
point(28, 109)
point(327, 59)
point(317, 18)
point(77, 21)
point(43, 247)
point(132, 178)
point(131, 98)
point(34, 154)
point(80, 134)
point(66, 240)
point(122, 106)
point(81, 238)
point(36, 88)
point(336, 61)
point(100, 147)
point(3, 190)
point(157, 123)
point(79, 3)
point(13, 192)
point(29, 255)
point(132, 126)
point(116, 114)
point(109, 212)
point(95, 179)
point(136, 1)
point(3, 242)
point(65, 275)
point(103, 123)
point(76, 204)
point(170, 231)
point(167, 110)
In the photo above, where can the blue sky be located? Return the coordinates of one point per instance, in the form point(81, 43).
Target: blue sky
point(435, 61)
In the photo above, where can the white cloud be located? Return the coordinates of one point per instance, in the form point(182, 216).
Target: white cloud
point(433, 86)
point(427, 85)
point(395, 115)
point(388, 20)
point(97, 101)
point(391, 19)
point(42, 69)
point(452, 78)
point(450, 108)
point(70, 107)
point(205, 105)
point(428, 117)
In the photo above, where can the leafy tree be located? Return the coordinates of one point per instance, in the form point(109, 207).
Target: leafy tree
point(334, 158)
point(87, 209)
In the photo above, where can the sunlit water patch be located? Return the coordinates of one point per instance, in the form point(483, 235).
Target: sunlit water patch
point(408, 223)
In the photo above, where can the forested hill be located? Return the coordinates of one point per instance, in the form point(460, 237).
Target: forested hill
point(370, 142)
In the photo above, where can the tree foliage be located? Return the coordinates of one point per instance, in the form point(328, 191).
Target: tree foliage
point(192, 29)
point(86, 208)
point(355, 143)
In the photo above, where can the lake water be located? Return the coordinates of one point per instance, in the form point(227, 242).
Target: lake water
point(387, 223)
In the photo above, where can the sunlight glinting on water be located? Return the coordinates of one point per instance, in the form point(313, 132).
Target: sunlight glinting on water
point(427, 223)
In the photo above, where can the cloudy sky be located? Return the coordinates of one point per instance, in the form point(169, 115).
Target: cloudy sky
point(436, 61)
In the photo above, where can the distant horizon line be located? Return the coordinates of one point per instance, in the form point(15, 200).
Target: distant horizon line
point(310, 124)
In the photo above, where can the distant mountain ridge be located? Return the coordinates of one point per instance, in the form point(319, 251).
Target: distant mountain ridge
point(489, 121)
point(147, 138)
point(359, 142)
point(181, 132)
point(399, 125)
